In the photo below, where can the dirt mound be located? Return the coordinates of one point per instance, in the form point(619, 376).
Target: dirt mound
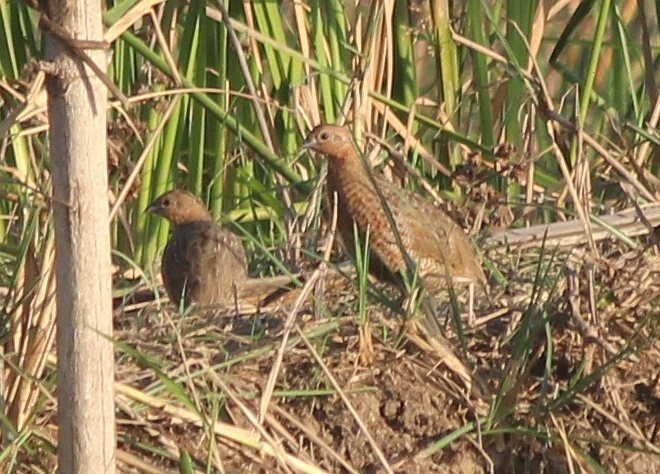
point(560, 393)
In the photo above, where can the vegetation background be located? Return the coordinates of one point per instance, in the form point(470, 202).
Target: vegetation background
point(512, 113)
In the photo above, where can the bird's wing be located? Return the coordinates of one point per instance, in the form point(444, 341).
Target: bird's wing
point(221, 263)
point(226, 251)
point(361, 204)
point(431, 236)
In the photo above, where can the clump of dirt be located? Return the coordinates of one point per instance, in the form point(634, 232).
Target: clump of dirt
point(402, 409)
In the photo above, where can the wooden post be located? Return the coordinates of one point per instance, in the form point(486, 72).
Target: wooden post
point(77, 103)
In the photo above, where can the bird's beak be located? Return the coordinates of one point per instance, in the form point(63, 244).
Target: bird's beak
point(307, 144)
point(153, 208)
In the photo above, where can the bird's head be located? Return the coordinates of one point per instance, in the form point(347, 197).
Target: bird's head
point(331, 140)
point(180, 207)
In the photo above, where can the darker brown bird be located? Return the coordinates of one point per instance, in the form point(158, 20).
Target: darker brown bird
point(434, 242)
point(202, 262)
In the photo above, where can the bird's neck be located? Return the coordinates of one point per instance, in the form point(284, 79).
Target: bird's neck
point(192, 215)
point(346, 162)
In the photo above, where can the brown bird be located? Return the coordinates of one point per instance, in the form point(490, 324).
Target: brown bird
point(433, 241)
point(202, 262)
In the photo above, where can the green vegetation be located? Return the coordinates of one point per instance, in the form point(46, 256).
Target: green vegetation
point(513, 114)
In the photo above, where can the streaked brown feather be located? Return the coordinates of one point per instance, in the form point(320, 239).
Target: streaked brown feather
point(431, 238)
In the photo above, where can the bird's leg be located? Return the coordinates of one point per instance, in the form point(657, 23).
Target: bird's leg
point(366, 351)
point(409, 304)
point(471, 317)
point(419, 308)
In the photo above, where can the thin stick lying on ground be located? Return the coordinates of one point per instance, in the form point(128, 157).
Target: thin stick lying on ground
point(223, 430)
point(288, 325)
point(311, 434)
point(570, 233)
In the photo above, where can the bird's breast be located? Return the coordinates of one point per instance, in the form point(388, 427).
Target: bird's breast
point(360, 208)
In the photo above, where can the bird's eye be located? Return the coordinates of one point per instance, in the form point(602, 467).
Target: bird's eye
point(324, 136)
point(166, 202)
